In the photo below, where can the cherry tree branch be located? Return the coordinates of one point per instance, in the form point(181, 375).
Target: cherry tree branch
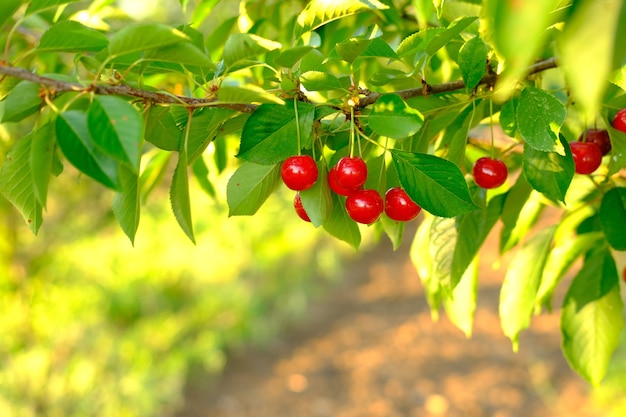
point(156, 97)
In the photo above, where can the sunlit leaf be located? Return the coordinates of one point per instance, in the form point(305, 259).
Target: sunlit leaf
point(249, 186)
point(591, 318)
point(340, 225)
point(71, 36)
point(435, 184)
point(392, 117)
point(539, 119)
point(519, 289)
point(473, 61)
point(453, 30)
point(461, 305)
point(242, 46)
point(16, 183)
point(613, 217)
point(319, 81)
point(38, 5)
point(549, 172)
point(144, 36)
point(422, 260)
point(246, 94)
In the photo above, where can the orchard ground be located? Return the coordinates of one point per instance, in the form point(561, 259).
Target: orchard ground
point(372, 349)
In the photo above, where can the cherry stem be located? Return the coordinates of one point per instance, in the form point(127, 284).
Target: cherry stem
point(352, 127)
point(295, 109)
point(493, 148)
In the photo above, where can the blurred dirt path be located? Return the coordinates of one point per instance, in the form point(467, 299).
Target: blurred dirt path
point(371, 349)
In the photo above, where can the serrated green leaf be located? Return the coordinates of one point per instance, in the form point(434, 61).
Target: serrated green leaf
point(270, 134)
point(317, 200)
point(71, 36)
point(473, 61)
point(319, 12)
point(319, 81)
point(117, 127)
point(521, 283)
point(16, 183)
point(79, 148)
point(22, 101)
point(548, 172)
point(340, 225)
point(378, 48)
point(246, 94)
point(591, 318)
point(126, 203)
point(42, 153)
point(161, 129)
point(422, 260)
point(393, 117)
point(350, 49)
point(418, 41)
point(249, 186)
point(205, 125)
point(613, 217)
point(435, 184)
point(539, 119)
point(179, 196)
point(597, 59)
point(443, 237)
point(461, 305)
point(453, 30)
point(144, 36)
point(243, 46)
point(184, 53)
point(560, 260)
point(474, 227)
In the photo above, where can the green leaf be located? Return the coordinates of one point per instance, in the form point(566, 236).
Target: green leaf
point(508, 116)
point(340, 225)
point(618, 153)
point(519, 289)
point(38, 5)
point(422, 260)
point(453, 30)
point(591, 318)
point(319, 81)
point(249, 186)
point(179, 195)
point(435, 184)
point(548, 172)
point(71, 36)
point(8, 8)
point(117, 127)
point(161, 129)
point(474, 227)
point(560, 260)
point(126, 203)
point(42, 153)
point(180, 53)
point(443, 237)
point(394, 231)
point(473, 61)
point(289, 57)
point(613, 217)
point(528, 21)
point(205, 125)
point(539, 119)
point(246, 94)
point(16, 183)
point(319, 12)
point(454, 139)
point(201, 172)
point(22, 101)
point(317, 200)
point(350, 49)
point(461, 305)
point(393, 117)
point(521, 210)
point(596, 59)
point(378, 48)
point(144, 36)
point(270, 134)
point(79, 148)
point(242, 46)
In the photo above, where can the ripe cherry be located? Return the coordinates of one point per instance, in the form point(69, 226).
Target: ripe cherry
point(399, 206)
point(365, 206)
point(624, 274)
point(598, 136)
point(299, 172)
point(334, 185)
point(351, 172)
point(587, 156)
point(489, 172)
point(619, 121)
point(297, 204)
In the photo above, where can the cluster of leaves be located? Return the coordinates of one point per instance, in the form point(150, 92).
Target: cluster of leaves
point(404, 82)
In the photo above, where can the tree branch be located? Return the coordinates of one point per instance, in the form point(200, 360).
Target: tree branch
point(156, 97)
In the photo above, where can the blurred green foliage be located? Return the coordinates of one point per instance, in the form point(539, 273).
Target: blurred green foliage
point(94, 327)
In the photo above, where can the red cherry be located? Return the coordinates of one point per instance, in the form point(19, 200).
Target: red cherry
point(334, 185)
point(351, 172)
point(587, 156)
point(619, 121)
point(297, 204)
point(624, 274)
point(399, 206)
point(299, 172)
point(598, 136)
point(489, 173)
point(365, 206)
